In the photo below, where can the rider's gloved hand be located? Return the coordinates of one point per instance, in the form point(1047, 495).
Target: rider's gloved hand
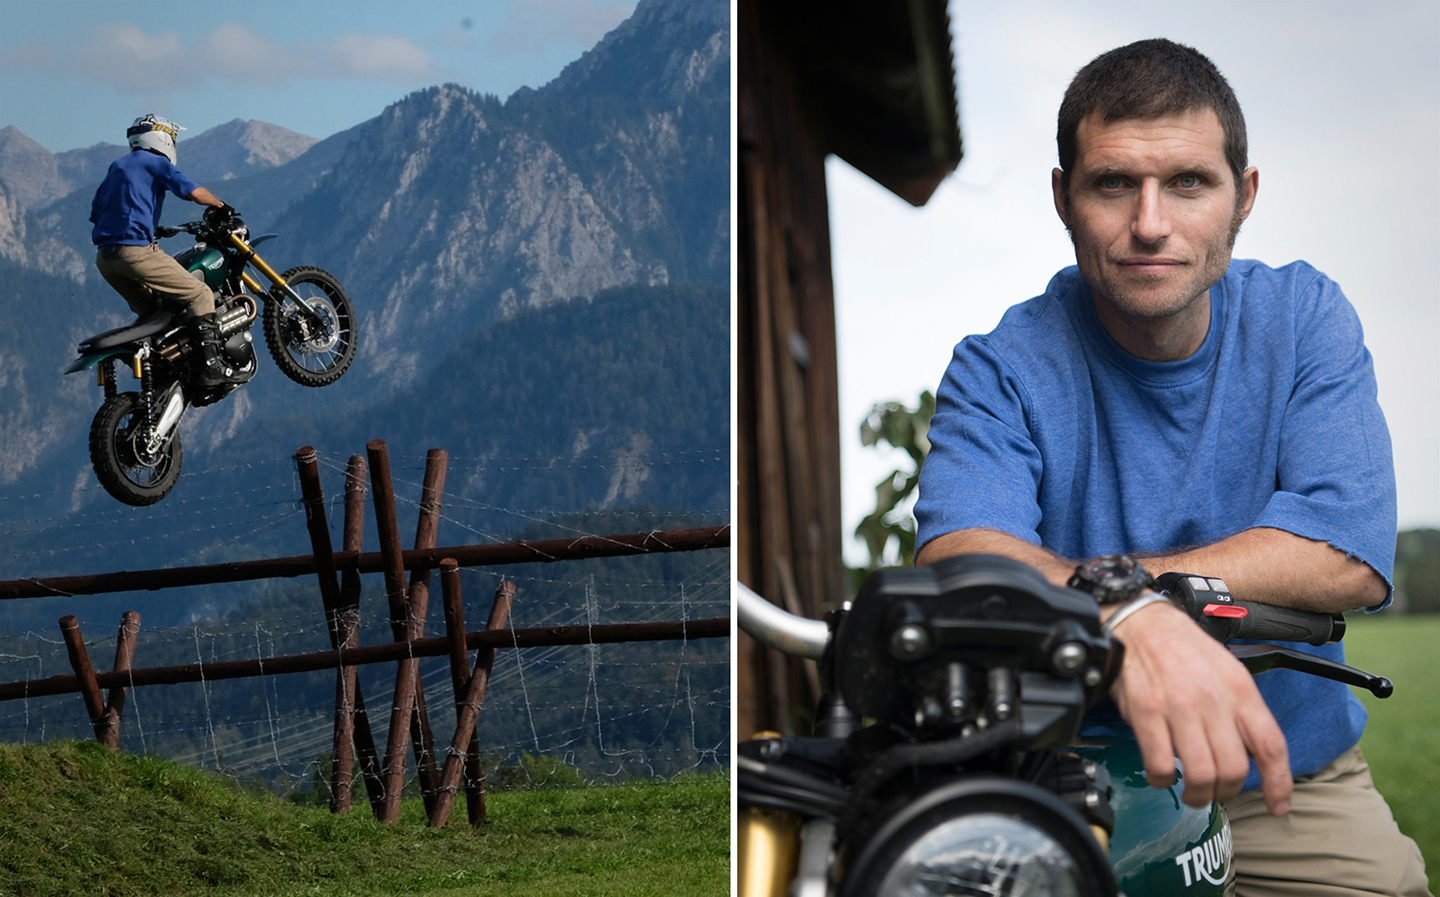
point(218, 216)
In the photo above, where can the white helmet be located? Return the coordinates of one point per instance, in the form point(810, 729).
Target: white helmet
point(151, 132)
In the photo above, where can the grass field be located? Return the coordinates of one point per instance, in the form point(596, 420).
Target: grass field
point(76, 818)
point(1402, 739)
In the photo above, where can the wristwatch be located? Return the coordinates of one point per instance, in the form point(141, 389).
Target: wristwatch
point(1111, 578)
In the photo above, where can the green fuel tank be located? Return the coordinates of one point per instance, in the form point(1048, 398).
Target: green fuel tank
point(1161, 847)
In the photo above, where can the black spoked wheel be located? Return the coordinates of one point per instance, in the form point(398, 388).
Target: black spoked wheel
point(126, 465)
point(310, 352)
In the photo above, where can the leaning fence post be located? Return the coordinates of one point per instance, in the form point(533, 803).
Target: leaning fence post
point(426, 528)
point(460, 681)
point(469, 714)
point(85, 673)
point(342, 750)
point(124, 657)
point(348, 634)
point(397, 745)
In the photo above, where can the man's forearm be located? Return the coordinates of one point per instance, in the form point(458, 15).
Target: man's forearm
point(1276, 567)
point(1052, 566)
point(204, 197)
point(1261, 564)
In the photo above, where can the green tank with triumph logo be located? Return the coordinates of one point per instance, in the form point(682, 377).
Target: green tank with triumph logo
point(1161, 847)
point(206, 261)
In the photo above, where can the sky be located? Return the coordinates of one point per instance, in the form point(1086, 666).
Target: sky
point(1342, 103)
point(74, 73)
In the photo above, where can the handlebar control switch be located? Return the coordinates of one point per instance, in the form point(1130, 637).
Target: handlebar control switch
point(1209, 603)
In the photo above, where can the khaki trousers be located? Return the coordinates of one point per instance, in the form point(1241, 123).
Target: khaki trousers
point(147, 278)
point(1339, 838)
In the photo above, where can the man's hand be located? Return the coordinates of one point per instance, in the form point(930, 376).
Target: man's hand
point(1184, 694)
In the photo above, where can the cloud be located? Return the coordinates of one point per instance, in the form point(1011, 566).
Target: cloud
point(379, 58)
point(536, 24)
point(130, 60)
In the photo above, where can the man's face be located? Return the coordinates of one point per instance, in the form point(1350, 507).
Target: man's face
point(1153, 212)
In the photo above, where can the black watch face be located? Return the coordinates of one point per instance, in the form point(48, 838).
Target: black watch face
point(1112, 577)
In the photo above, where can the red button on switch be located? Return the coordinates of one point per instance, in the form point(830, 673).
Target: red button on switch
point(1229, 611)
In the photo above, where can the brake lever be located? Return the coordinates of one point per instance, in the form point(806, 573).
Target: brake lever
point(1260, 658)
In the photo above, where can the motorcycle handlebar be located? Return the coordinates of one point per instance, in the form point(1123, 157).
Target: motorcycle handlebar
point(779, 629)
point(1207, 600)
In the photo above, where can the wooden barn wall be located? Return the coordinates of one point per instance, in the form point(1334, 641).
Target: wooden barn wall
point(787, 535)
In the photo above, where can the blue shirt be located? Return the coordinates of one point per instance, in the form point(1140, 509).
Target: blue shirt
point(1048, 430)
point(126, 208)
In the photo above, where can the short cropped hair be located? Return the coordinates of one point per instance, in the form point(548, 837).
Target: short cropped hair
point(1149, 79)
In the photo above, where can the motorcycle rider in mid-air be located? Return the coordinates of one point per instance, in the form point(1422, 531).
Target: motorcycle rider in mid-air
point(126, 213)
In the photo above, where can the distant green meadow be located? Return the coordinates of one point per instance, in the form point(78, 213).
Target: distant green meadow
point(1402, 739)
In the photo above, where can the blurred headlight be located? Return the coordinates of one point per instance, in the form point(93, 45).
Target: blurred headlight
point(984, 854)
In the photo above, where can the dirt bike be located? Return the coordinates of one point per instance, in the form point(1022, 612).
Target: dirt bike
point(947, 757)
point(309, 327)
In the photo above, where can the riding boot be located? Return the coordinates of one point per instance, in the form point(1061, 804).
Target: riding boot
point(214, 368)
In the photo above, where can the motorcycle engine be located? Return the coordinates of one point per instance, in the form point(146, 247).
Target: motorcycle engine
point(240, 352)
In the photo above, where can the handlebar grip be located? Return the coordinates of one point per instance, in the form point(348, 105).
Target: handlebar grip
point(1284, 624)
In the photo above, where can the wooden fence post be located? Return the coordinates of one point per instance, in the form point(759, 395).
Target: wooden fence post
point(348, 632)
point(124, 657)
point(342, 746)
point(467, 716)
point(426, 527)
point(89, 685)
point(460, 681)
point(397, 745)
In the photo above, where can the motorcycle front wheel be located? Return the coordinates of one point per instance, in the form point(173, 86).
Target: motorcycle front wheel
point(311, 353)
point(123, 462)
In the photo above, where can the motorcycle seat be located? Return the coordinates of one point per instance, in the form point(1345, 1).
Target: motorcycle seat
point(156, 322)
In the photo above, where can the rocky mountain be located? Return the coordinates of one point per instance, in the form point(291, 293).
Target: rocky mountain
point(29, 173)
point(463, 226)
point(238, 148)
point(454, 205)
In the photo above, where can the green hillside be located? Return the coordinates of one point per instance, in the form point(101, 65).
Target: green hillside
point(76, 818)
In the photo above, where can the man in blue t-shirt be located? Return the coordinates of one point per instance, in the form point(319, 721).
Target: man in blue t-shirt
point(126, 212)
point(1213, 417)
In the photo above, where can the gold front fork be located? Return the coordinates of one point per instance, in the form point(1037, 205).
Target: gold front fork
point(768, 842)
point(247, 252)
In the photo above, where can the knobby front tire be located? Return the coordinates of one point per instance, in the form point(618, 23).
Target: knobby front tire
point(308, 355)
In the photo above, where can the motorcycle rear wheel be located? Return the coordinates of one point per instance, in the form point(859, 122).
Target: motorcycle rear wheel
point(119, 459)
point(309, 356)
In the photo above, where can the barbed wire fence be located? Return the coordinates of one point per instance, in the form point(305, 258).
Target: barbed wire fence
point(598, 713)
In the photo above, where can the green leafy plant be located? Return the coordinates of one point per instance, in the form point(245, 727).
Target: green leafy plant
point(899, 426)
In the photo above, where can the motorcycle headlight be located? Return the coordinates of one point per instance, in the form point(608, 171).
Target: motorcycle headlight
point(984, 853)
point(982, 836)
